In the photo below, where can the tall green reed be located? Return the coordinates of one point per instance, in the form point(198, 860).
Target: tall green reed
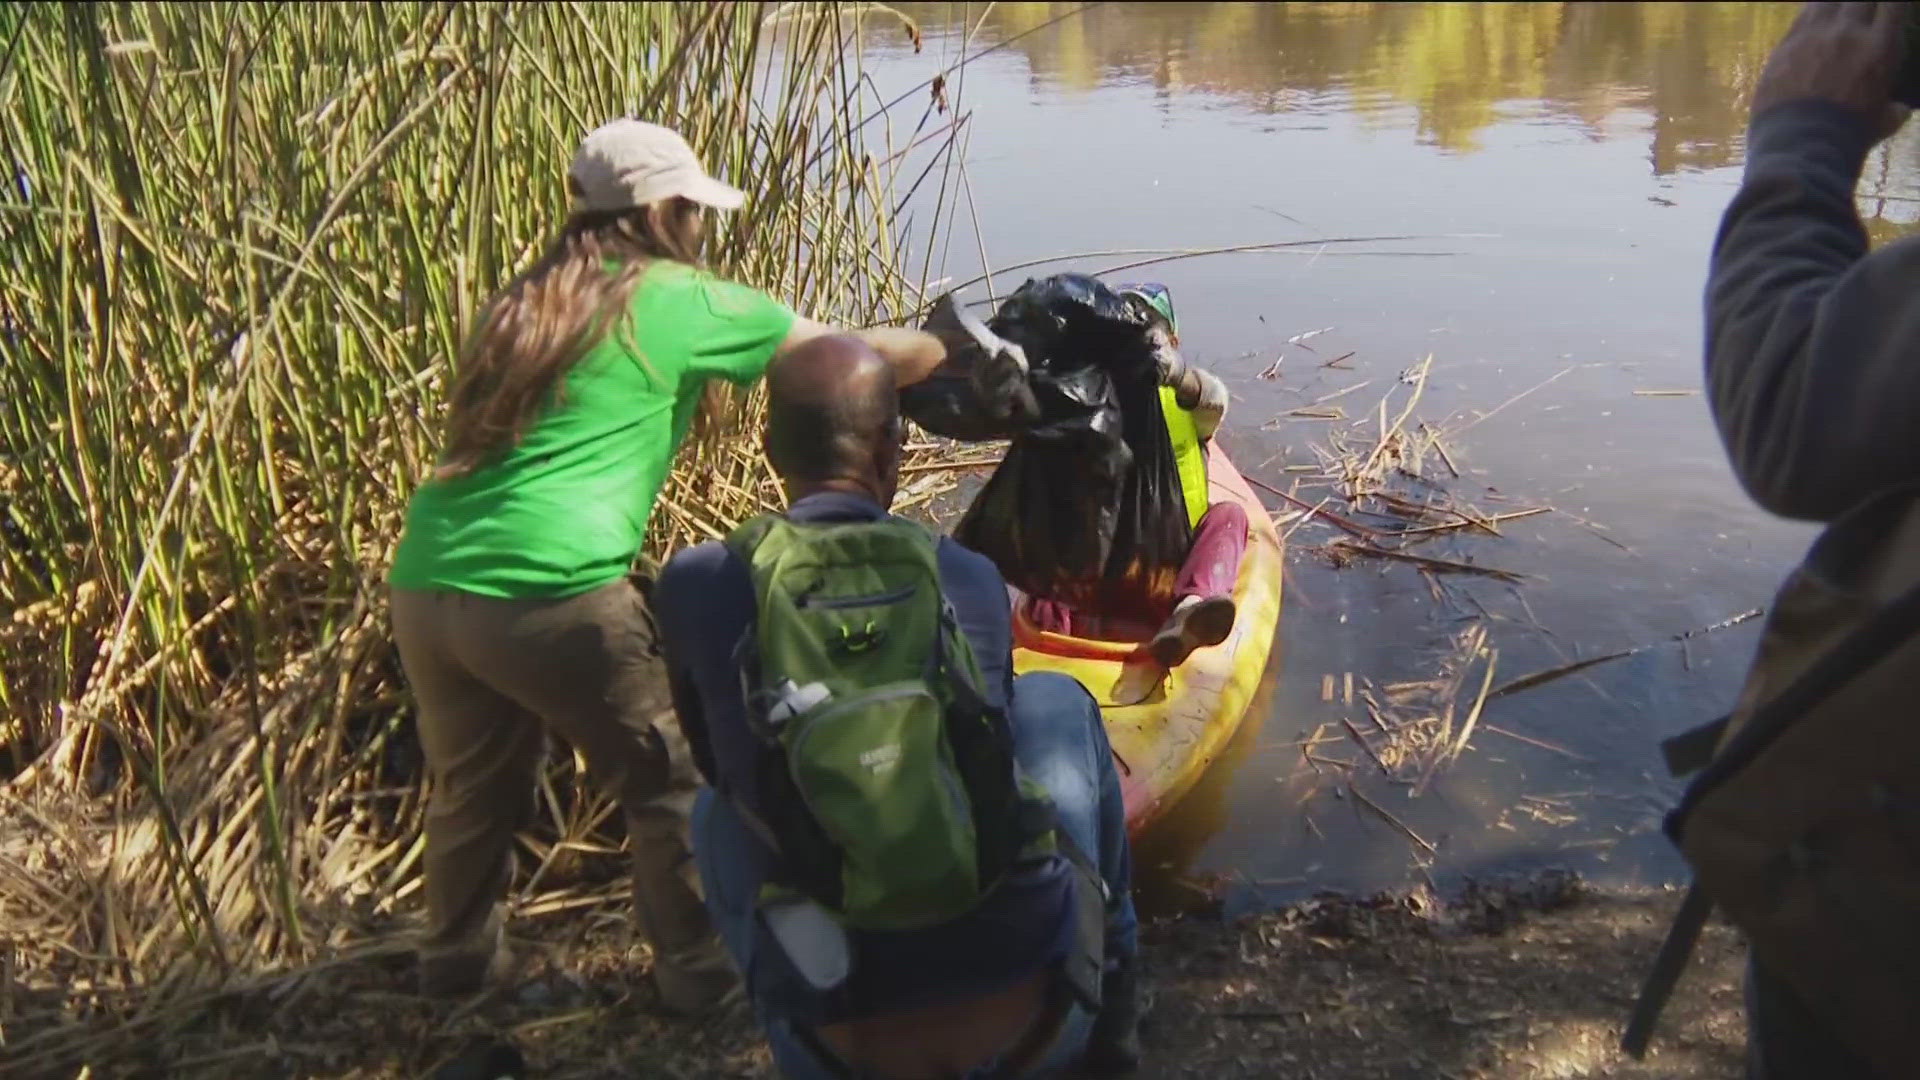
point(238, 245)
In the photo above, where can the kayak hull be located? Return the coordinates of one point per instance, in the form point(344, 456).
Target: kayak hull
point(1166, 743)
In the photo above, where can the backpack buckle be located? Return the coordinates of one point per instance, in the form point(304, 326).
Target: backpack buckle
point(862, 639)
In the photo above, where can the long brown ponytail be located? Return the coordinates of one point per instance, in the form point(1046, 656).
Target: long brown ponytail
point(534, 330)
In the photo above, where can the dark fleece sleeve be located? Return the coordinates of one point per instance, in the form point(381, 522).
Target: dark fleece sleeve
point(1813, 343)
point(680, 609)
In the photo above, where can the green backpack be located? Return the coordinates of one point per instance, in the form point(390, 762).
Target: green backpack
point(887, 784)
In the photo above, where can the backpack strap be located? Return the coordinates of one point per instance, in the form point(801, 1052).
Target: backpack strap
point(1691, 750)
point(1085, 964)
point(1675, 951)
point(1875, 639)
point(1701, 749)
point(743, 543)
point(969, 697)
point(746, 536)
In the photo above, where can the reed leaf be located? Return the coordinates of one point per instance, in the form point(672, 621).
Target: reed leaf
point(238, 244)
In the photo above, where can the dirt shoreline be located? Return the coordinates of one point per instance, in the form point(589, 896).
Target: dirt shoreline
point(1523, 981)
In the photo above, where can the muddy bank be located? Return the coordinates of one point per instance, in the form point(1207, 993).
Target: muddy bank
point(1520, 982)
point(1524, 983)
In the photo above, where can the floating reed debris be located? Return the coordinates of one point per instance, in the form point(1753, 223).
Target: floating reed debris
point(1386, 465)
point(1390, 478)
point(1315, 509)
point(1390, 469)
point(1541, 678)
point(1417, 728)
point(1387, 816)
point(1484, 524)
point(1365, 745)
point(1337, 394)
point(1532, 741)
point(1519, 397)
point(1445, 566)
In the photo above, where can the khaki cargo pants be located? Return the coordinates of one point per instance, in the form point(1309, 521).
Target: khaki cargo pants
point(487, 674)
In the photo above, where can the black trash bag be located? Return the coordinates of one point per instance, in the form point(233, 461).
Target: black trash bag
point(978, 393)
point(1086, 508)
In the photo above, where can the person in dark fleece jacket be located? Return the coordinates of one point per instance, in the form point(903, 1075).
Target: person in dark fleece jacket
point(1812, 343)
point(980, 997)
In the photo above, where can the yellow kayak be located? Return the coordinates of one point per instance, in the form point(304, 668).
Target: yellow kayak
point(1166, 743)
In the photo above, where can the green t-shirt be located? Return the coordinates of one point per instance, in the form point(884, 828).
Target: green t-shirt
point(566, 509)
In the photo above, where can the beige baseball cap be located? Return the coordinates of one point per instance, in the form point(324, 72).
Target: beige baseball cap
point(629, 163)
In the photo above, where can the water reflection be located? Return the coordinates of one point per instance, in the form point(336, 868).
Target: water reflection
point(1458, 65)
point(1581, 154)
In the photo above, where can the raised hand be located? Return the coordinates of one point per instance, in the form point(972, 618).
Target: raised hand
point(1846, 53)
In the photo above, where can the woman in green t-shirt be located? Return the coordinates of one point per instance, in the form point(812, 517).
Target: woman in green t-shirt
point(512, 607)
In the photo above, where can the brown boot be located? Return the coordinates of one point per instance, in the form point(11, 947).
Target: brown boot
point(697, 980)
point(691, 969)
point(457, 973)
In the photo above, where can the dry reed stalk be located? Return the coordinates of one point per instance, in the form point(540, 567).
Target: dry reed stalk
point(1560, 671)
point(1532, 741)
point(1386, 815)
point(1422, 561)
point(242, 246)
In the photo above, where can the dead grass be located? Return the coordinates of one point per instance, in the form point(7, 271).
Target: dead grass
point(221, 390)
point(1527, 981)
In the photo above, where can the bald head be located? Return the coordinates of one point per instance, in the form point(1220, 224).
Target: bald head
point(833, 418)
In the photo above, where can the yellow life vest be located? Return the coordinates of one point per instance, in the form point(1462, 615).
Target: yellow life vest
point(1188, 456)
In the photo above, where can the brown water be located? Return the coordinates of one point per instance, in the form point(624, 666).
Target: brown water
point(1589, 150)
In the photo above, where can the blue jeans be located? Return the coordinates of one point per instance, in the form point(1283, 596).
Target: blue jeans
point(1061, 743)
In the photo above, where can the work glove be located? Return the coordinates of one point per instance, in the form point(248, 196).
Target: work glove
point(1168, 365)
point(996, 367)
